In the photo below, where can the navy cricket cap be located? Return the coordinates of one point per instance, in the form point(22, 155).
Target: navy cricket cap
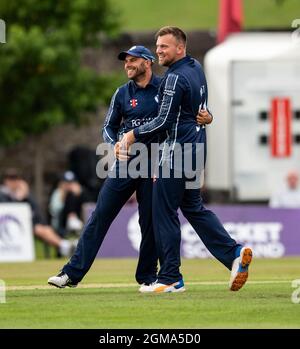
point(137, 51)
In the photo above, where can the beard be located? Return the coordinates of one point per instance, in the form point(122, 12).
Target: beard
point(166, 62)
point(139, 72)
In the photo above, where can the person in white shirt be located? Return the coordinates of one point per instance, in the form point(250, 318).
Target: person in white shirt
point(290, 197)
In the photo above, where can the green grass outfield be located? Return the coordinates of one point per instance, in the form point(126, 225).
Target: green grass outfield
point(108, 297)
point(144, 15)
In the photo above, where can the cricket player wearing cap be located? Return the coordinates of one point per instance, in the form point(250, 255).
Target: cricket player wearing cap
point(132, 103)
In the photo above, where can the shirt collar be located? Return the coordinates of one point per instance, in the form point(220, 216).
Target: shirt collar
point(180, 62)
point(154, 81)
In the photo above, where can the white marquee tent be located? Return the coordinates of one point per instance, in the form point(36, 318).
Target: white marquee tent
point(245, 74)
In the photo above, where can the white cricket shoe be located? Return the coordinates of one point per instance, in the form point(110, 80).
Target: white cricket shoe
point(144, 288)
point(162, 288)
point(61, 280)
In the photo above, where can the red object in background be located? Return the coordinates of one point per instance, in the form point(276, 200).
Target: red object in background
point(230, 18)
point(281, 136)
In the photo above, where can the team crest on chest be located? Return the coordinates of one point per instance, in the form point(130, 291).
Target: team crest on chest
point(133, 102)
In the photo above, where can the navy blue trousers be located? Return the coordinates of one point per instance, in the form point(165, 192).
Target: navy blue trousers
point(170, 194)
point(112, 197)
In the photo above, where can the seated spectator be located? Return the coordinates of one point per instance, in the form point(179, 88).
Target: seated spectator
point(16, 189)
point(290, 196)
point(66, 203)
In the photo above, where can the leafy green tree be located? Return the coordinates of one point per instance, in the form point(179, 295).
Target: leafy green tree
point(42, 79)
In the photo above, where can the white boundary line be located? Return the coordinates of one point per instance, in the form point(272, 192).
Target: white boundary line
point(125, 285)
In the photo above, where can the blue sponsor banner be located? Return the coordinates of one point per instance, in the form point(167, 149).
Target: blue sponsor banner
point(270, 232)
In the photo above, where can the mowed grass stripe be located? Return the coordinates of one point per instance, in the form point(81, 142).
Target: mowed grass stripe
point(126, 285)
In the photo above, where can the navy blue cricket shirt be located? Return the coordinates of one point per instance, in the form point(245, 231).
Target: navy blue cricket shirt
point(131, 106)
point(182, 92)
